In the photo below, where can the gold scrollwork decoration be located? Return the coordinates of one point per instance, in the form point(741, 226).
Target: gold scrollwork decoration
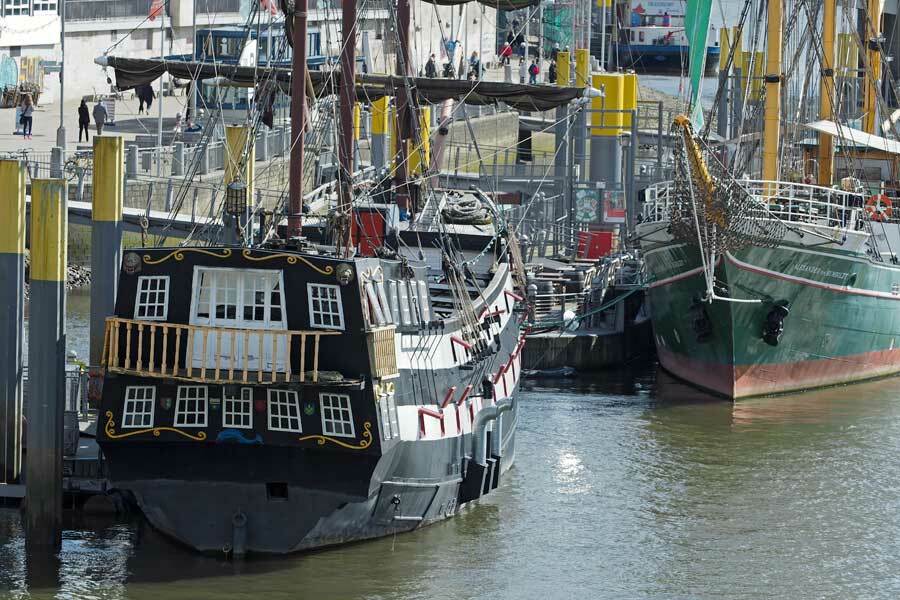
point(110, 430)
point(179, 255)
point(292, 259)
point(364, 443)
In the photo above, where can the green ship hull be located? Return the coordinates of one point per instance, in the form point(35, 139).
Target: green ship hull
point(818, 316)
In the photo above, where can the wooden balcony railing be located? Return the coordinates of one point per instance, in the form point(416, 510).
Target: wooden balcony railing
point(211, 354)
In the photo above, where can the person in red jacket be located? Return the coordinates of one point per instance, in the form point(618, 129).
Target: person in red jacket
point(505, 53)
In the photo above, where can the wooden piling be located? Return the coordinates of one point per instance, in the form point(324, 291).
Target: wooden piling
point(12, 316)
point(46, 362)
point(106, 235)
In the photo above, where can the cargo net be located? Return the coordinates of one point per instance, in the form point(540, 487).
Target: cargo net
point(729, 219)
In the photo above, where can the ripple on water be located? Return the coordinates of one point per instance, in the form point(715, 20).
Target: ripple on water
point(626, 486)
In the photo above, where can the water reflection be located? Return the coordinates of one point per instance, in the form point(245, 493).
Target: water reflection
point(626, 485)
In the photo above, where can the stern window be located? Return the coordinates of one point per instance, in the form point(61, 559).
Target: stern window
point(139, 403)
point(190, 408)
point(337, 417)
point(152, 298)
point(284, 411)
point(325, 310)
point(238, 410)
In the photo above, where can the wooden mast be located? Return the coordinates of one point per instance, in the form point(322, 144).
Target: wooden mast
point(827, 92)
point(347, 101)
point(404, 110)
point(298, 120)
point(873, 66)
point(772, 124)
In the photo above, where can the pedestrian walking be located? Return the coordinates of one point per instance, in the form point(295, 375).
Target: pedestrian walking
point(27, 117)
point(84, 121)
point(145, 96)
point(505, 53)
point(551, 72)
point(533, 71)
point(100, 115)
point(523, 70)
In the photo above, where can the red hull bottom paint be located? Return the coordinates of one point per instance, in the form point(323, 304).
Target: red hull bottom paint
point(745, 381)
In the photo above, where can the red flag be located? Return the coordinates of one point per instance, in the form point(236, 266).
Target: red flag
point(156, 8)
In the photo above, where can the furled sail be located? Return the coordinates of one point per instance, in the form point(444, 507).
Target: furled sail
point(132, 72)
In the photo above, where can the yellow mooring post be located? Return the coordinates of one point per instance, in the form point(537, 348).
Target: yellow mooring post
point(873, 61)
point(420, 149)
point(12, 317)
point(395, 135)
point(106, 235)
point(46, 362)
point(379, 130)
point(606, 127)
point(240, 157)
point(772, 119)
point(561, 129)
point(580, 133)
point(582, 68)
point(827, 92)
point(240, 172)
point(563, 69)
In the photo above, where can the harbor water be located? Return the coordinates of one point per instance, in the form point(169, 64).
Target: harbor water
point(629, 485)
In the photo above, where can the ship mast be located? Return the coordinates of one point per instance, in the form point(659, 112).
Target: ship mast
point(827, 93)
point(772, 121)
point(404, 119)
point(873, 65)
point(345, 143)
point(298, 120)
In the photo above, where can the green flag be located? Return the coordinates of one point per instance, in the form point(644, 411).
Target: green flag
point(696, 27)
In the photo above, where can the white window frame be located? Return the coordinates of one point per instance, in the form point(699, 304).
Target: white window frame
point(181, 413)
point(130, 402)
point(348, 408)
point(282, 398)
point(165, 292)
point(340, 313)
point(44, 6)
point(239, 320)
point(240, 400)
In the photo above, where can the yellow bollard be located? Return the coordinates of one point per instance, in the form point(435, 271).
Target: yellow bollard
point(237, 152)
point(12, 207)
point(12, 317)
point(380, 116)
point(46, 357)
point(48, 230)
point(630, 98)
point(613, 86)
point(108, 189)
point(582, 67)
point(562, 69)
point(106, 236)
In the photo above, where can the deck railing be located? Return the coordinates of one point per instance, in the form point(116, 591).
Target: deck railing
point(792, 202)
point(211, 354)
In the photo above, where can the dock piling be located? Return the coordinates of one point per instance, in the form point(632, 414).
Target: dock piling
point(131, 165)
point(12, 317)
point(379, 129)
point(106, 236)
point(56, 162)
point(178, 159)
point(46, 362)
